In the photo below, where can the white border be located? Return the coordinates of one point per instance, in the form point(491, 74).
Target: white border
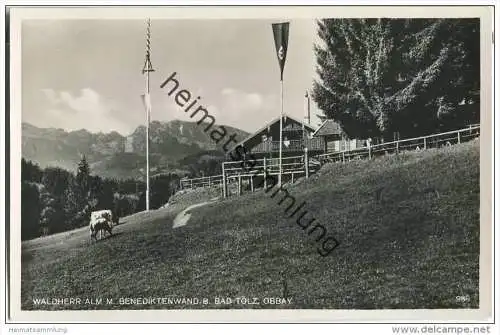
point(245, 315)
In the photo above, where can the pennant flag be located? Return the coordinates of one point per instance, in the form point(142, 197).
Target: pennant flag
point(280, 32)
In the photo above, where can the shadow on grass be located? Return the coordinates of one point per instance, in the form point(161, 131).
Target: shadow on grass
point(107, 237)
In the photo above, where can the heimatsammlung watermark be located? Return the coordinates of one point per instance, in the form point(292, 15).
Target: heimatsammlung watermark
point(183, 99)
point(38, 330)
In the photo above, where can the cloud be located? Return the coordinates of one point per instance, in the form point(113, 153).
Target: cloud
point(227, 91)
point(51, 96)
point(242, 101)
point(170, 111)
point(250, 109)
point(229, 106)
point(87, 110)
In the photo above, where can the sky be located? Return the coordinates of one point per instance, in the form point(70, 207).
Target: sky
point(88, 73)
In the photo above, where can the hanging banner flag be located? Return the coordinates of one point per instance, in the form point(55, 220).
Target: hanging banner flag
point(146, 101)
point(143, 99)
point(280, 32)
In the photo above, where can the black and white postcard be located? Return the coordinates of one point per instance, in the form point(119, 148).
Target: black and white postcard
point(275, 164)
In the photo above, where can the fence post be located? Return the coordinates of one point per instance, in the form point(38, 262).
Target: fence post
point(306, 162)
point(224, 181)
point(343, 156)
point(370, 152)
point(209, 184)
point(458, 133)
point(265, 174)
point(397, 147)
point(425, 143)
point(251, 183)
point(239, 184)
point(191, 183)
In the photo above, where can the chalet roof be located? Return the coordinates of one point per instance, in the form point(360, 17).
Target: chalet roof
point(270, 123)
point(328, 127)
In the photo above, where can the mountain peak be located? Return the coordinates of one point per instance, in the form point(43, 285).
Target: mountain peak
point(114, 155)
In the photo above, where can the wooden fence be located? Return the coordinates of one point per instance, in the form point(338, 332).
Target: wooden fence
point(417, 143)
point(248, 172)
point(312, 144)
point(255, 173)
point(209, 181)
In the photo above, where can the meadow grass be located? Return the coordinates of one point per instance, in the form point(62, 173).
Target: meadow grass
point(415, 246)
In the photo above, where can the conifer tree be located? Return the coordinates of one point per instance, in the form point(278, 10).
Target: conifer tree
point(83, 176)
point(72, 204)
point(379, 76)
point(78, 196)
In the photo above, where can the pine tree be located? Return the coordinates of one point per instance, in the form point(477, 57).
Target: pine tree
point(77, 196)
point(48, 212)
point(72, 204)
point(378, 76)
point(82, 184)
point(83, 176)
point(106, 195)
point(30, 210)
point(30, 171)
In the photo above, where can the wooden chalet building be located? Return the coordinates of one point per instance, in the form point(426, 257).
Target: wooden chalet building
point(296, 136)
point(264, 146)
point(334, 139)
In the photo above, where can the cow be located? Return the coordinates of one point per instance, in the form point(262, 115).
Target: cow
point(101, 221)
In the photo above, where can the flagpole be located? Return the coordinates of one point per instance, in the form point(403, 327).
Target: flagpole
point(281, 133)
point(280, 32)
point(307, 117)
point(148, 67)
point(148, 112)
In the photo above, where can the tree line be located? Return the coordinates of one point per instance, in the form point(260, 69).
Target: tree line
point(411, 77)
point(55, 200)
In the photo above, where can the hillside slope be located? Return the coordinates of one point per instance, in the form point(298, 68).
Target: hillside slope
point(408, 228)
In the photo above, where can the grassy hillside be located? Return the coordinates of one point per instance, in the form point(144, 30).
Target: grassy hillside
point(189, 197)
point(415, 246)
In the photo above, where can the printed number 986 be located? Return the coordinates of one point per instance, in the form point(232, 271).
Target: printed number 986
point(462, 298)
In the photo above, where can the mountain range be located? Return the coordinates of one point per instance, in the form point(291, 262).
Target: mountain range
point(173, 146)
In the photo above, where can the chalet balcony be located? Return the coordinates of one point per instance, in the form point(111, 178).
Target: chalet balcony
point(313, 144)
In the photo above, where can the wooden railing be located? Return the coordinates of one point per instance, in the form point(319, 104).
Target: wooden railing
point(417, 143)
point(291, 167)
point(209, 181)
point(312, 144)
point(245, 171)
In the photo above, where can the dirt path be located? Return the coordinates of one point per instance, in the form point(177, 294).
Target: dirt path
point(183, 217)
